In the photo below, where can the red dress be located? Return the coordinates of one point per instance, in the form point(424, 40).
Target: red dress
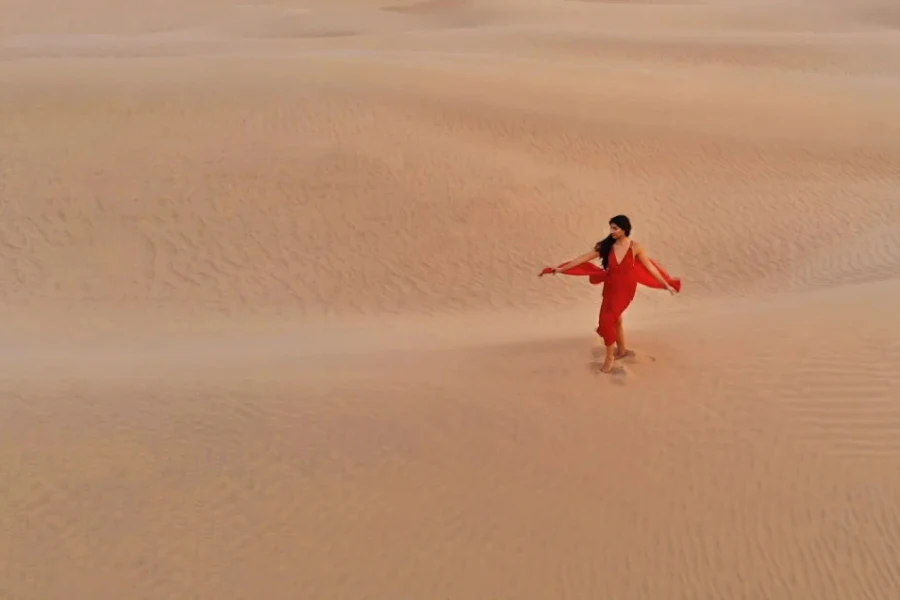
point(619, 289)
point(620, 283)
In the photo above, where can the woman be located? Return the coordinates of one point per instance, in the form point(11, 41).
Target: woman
point(625, 264)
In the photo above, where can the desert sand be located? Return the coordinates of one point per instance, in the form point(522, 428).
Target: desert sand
point(272, 326)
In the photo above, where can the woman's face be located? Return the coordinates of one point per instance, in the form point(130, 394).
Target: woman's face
point(615, 232)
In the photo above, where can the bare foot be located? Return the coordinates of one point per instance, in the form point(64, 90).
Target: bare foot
point(608, 364)
point(623, 354)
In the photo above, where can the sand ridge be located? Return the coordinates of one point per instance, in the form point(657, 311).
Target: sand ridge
point(273, 326)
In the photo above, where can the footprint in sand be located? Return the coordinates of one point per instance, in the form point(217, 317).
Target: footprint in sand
point(636, 358)
point(618, 370)
point(631, 357)
point(619, 375)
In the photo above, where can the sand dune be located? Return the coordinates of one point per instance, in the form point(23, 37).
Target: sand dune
point(272, 325)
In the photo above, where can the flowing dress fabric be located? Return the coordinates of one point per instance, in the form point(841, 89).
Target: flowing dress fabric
point(596, 275)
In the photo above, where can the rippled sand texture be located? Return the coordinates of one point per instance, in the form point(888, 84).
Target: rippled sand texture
point(272, 326)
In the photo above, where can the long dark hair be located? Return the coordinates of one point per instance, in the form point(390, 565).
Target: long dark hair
point(604, 246)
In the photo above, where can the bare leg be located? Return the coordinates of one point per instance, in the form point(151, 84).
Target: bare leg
point(621, 348)
point(610, 359)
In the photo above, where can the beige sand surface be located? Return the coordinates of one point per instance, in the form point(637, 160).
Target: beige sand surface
point(272, 327)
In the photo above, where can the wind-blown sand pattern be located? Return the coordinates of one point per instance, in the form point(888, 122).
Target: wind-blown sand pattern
point(272, 325)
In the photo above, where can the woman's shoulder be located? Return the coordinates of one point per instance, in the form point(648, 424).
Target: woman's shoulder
point(636, 249)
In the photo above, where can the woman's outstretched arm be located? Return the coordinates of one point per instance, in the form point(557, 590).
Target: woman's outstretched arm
point(577, 261)
point(641, 255)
